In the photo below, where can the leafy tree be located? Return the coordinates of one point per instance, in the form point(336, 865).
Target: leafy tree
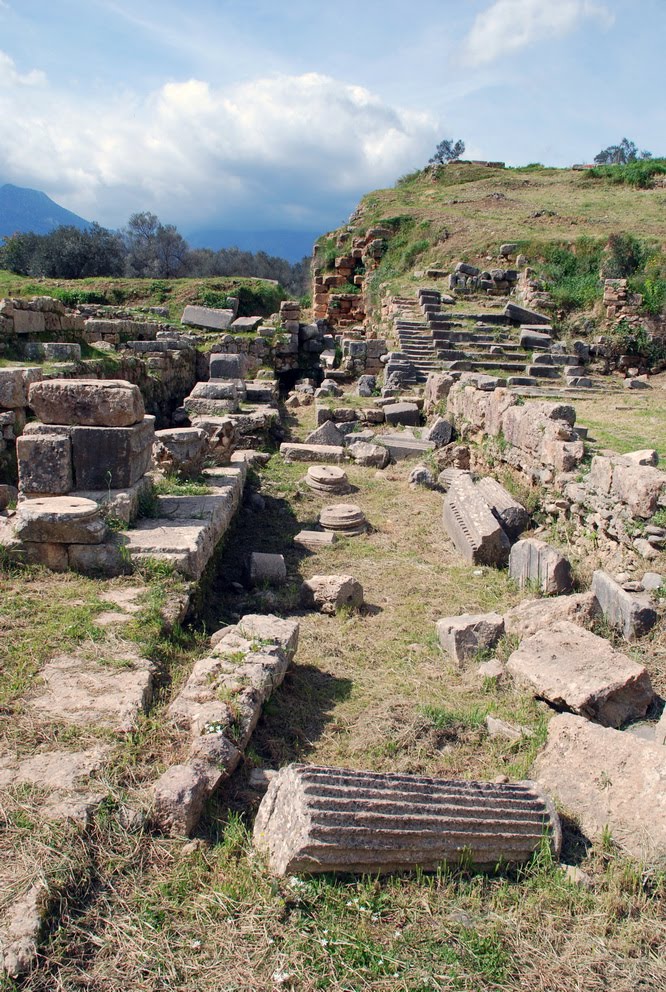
point(17, 251)
point(448, 151)
point(621, 154)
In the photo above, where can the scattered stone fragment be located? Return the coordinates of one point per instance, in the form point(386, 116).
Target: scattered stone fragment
point(179, 797)
point(327, 819)
point(369, 455)
point(327, 480)
point(329, 593)
point(87, 402)
point(500, 728)
point(493, 669)
point(266, 569)
point(440, 432)
point(464, 636)
point(611, 781)
point(421, 476)
point(647, 456)
point(314, 540)
point(312, 452)
point(345, 519)
point(533, 561)
point(574, 669)
point(631, 612)
point(533, 615)
point(652, 581)
point(326, 434)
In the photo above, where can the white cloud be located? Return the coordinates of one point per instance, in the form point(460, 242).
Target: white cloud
point(509, 25)
point(264, 151)
point(9, 75)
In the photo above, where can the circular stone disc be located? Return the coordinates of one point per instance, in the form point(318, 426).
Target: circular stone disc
point(342, 516)
point(60, 508)
point(327, 475)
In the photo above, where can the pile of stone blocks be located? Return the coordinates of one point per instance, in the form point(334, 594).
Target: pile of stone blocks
point(538, 438)
point(218, 707)
point(20, 319)
point(92, 438)
point(494, 282)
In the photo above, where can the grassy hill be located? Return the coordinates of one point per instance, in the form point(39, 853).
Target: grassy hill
point(259, 297)
point(464, 211)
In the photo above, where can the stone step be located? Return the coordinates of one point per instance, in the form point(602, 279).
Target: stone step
point(188, 528)
point(378, 822)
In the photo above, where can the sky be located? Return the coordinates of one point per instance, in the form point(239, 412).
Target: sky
point(281, 114)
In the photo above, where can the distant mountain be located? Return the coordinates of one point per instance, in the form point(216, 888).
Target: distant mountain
point(23, 210)
point(292, 245)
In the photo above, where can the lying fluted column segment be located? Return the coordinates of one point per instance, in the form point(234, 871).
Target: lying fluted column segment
point(315, 819)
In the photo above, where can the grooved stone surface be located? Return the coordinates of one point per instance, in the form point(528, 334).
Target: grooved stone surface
point(574, 669)
point(512, 515)
point(316, 819)
point(470, 524)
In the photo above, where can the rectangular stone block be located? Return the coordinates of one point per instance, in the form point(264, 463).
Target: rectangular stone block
point(630, 612)
point(223, 366)
point(115, 457)
point(45, 463)
point(463, 636)
point(312, 452)
point(524, 316)
point(28, 322)
point(512, 515)
point(574, 669)
point(87, 402)
point(468, 521)
point(208, 318)
point(12, 389)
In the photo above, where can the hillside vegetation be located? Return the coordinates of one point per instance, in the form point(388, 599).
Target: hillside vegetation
point(257, 297)
point(463, 212)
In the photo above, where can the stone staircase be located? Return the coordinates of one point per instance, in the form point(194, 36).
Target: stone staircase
point(432, 339)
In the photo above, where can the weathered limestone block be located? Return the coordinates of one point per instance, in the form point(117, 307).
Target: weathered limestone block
point(544, 433)
point(329, 593)
point(631, 612)
point(21, 935)
point(475, 532)
point(181, 450)
point(610, 781)
point(512, 515)
point(208, 318)
point(226, 366)
point(638, 486)
point(112, 458)
point(87, 402)
point(180, 794)
point(401, 446)
point(534, 339)
point(440, 432)
point(12, 389)
point(313, 540)
point(312, 452)
point(574, 669)
point(533, 615)
point(60, 520)
point(45, 463)
point(326, 434)
point(216, 389)
point(407, 414)
point(61, 351)
point(266, 569)
point(535, 561)
point(369, 455)
point(327, 819)
point(463, 636)
point(437, 388)
point(524, 316)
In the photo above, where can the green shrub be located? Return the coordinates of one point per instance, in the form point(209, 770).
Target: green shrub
point(77, 297)
point(639, 174)
point(215, 299)
point(625, 256)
